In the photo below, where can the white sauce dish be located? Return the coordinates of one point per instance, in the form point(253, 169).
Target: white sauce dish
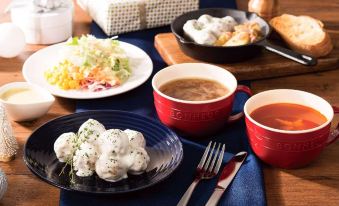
point(24, 101)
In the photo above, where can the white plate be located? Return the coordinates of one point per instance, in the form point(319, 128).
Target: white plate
point(35, 66)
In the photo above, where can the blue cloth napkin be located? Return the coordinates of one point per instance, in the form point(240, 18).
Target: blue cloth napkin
point(246, 189)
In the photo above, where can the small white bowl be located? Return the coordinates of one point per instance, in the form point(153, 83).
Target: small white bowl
point(27, 111)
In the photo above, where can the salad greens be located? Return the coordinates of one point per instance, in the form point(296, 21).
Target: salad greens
point(90, 63)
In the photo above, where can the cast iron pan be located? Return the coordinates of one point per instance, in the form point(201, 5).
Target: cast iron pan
point(219, 54)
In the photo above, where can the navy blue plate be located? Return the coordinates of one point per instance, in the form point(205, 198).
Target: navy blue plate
point(163, 146)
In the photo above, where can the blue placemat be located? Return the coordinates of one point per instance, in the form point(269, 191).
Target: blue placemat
point(247, 187)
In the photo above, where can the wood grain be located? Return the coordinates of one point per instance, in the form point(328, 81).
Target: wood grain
point(317, 184)
point(265, 65)
point(24, 188)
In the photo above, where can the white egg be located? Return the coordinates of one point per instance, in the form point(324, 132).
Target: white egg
point(140, 160)
point(114, 141)
point(110, 168)
point(136, 139)
point(65, 145)
point(84, 159)
point(90, 131)
point(12, 40)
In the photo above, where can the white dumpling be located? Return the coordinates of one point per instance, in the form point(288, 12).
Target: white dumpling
point(111, 154)
point(205, 37)
point(65, 145)
point(110, 168)
point(84, 159)
point(90, 131)
point(114, 141)
point(140, 160)
point(136, 139)
point(219, 26)
point(192, 25)
point(229, 21)
point(207, 29)
point(205, 19)
point(195, 30)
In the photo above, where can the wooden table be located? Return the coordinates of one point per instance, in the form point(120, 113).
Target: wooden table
point(317, 184)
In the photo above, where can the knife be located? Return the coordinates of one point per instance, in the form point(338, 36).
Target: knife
point(226, 177)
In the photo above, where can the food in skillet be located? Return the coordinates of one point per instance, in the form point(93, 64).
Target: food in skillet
point(111, 154)
point(92, 64)
point(223, 31)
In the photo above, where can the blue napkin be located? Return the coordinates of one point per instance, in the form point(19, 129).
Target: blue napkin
point(246, 189)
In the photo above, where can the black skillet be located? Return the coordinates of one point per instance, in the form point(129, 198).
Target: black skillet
point(219, 54)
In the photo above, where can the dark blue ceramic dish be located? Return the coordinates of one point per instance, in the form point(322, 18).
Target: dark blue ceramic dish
point(163, 146)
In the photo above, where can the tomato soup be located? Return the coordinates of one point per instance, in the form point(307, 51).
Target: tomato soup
point(286, 116)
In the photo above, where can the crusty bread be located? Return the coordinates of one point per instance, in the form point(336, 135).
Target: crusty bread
point(303, 34)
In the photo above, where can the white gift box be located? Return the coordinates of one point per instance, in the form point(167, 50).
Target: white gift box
point(121, 16)
point(43, 27)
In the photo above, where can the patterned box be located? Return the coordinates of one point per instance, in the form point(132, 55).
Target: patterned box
point(121, 16)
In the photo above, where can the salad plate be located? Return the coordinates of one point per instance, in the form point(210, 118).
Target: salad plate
point(163, 146)
point(37, 64)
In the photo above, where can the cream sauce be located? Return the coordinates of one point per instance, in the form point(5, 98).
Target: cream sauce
point(22, 96)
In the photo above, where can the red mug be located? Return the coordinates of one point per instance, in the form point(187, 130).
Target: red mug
point(284, 148)
point(196, 118)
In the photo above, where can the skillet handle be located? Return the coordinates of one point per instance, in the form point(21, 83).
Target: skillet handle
point(183, 41)
point(300, 58)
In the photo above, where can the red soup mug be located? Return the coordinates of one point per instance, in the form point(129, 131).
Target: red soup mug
point(196, 118)
point(284, 148)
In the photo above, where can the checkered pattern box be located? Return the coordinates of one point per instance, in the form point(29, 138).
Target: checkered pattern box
point(121, 16)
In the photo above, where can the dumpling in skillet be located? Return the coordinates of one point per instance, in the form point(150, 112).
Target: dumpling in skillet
point(196, 31)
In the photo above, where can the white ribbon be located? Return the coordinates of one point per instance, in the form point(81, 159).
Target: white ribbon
point(142, 12)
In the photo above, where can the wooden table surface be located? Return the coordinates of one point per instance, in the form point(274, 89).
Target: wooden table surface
point(317, 184)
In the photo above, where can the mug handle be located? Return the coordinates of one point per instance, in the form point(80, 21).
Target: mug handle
point(334, 135)
point(236, 117)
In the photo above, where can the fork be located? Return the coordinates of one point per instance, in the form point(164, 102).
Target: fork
point(205, 170)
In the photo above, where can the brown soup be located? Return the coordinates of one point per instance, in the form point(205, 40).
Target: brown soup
point(286, 116)
point(193, 89)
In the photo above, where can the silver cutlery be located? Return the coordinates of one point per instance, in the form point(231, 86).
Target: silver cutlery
point(226, 177)
point(206, 169)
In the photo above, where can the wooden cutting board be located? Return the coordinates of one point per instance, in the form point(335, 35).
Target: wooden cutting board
point(264, 65)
